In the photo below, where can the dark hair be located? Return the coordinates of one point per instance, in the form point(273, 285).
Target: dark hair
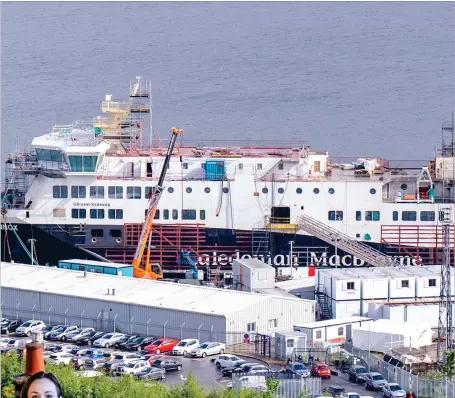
point(38, 376)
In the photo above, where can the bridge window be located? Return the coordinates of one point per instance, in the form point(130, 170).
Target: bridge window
point(115, 192)
point(78, 191)
point(395, 216)
point(80, 163)
point(409, 216)
point(133, 192)
point(60, 191)
point(372, 215)
point(97, 192)
point(166, 214)
point(97, 213)
point(427, 216)
point(358, 215)
point(188, 214)
point(78, 213)
point(175, 214)
point(115, 214)
point(202, 214)
point(335, 215)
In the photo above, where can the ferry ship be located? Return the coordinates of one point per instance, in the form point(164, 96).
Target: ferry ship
point(82, 192)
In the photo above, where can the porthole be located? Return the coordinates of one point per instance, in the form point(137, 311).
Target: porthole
point(404, 187)
point(170, 189)
point(316, 190)
point(280, 190)
point(207, 190)
point(299, 190)
point(331, 191)
point(372, 191)
point(265, 190)
point(189, 190)
point(225, 189)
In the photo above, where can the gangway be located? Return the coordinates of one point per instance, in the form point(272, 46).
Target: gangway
point(344, 242)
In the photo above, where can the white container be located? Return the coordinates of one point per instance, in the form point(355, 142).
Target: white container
point(286, 342)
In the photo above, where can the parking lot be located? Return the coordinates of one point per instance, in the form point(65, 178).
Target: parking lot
point(205, 371)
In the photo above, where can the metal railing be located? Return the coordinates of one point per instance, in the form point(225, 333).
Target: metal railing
point(420, 386)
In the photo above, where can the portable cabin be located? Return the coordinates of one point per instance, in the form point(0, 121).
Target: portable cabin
point(401, 283)
point(286, 342)
point(99, 267)
point(333, 331)
point(251, 274)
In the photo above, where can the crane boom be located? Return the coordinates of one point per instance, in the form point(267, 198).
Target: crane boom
point(147, 226)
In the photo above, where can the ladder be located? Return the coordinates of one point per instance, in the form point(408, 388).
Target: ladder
point(321, 298)
point(261, 241)
point(344, 242)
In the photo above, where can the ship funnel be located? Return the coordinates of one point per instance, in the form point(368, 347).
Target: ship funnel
point(108, 97)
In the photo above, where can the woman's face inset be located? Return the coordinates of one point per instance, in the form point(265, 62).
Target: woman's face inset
point(42, 388)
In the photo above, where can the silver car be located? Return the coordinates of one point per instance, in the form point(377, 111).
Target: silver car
point(393, 390)
point(374, 381)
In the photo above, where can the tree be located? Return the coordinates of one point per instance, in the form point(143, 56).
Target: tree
point(449, 365)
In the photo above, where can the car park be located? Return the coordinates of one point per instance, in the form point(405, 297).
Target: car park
point(321, 370)
point(90, 338)
point(28, 327)
point(161, 345)
point(77, 335)
point(139, 343)
point(227, 360)
point(108, 340)
point(151, 374)
point(374, 381)
point(208, 348)
point(9, 326)
point(60, 358)
point(49, 329)
point(357, 373)
point(334, 391)
point(393, 390)
point(133, 368)
point(61, 334)
point(185, 346)
point(299, 369)
point(167, 364)
point(120, 359)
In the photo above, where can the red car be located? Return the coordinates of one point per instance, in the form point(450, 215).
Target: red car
point(161, 345)
point(321, 370)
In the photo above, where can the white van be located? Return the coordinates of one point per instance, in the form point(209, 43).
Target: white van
point(257, 383)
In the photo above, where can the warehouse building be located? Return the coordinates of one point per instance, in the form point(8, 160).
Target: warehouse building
point(149, 307)
point(348, 292)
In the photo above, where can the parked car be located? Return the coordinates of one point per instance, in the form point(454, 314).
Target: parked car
point(65, 348)
point(120, 359)
point(167, 364)
point(321, 370)
point(161, 345)
point(90, 338)
point(108, 340)
point(4, 342)
point(79, 361)
point(237, 368)
point(93, 364)
point(334, 391)
point(12, 343)
point(49, 329)
point(258, 368)
point(227, 360)
point(58, 358)
point(139, 343)
point(127, 338)
point(28, 327)
point(9, 326)
point(393, 390)
point(357, 373)
point(299, 369)
point(79, 334)
point(208, 348)
point(374, 381)
point(253, 383)
point(352, 395)
point(133, 368)
point(61, 333)
point(151, 374)
point(91, 353)
point(185, 346)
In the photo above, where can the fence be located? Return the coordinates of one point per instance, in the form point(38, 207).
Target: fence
point(420, 386)
point(290, 386)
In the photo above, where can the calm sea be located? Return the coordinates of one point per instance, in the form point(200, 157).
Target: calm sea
point(353, 78)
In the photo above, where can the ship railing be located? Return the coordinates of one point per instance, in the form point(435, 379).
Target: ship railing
point(106, 174)
point(211, 144)
point(115, 106)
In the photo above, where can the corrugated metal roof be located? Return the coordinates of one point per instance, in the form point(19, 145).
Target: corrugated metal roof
point(381, 272)
point(334, 322)
point(149, 293)
point(253, 263)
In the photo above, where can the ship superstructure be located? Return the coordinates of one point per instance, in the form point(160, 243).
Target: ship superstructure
point(84, 189)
